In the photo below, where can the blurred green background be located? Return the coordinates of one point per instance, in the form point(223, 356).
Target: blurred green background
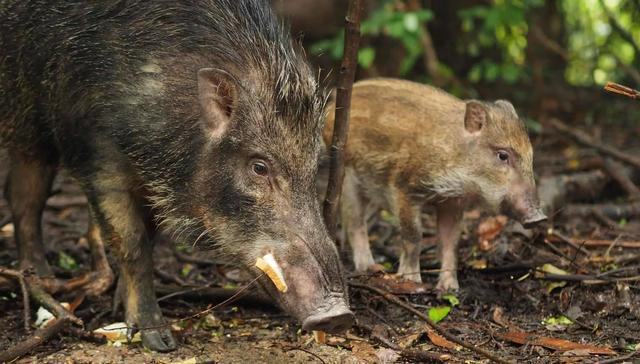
point(548, 57)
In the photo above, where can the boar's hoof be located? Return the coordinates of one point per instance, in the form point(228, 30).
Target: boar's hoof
point(534, 219)
point(338, 319)
point(160, 340)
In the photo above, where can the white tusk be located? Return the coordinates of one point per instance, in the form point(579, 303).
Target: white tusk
point(269, 265)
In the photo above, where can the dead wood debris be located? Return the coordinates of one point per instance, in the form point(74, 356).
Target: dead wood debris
point(447, 335)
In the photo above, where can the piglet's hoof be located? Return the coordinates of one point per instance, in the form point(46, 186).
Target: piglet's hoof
point(375, 268)
point(160, 340)
point(447, 284)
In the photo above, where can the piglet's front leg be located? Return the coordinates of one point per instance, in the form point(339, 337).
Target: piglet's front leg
point(449, 226)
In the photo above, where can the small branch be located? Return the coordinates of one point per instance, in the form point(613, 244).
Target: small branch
point(343, 105)
point(585, 139)
point(446, 334)
point(25, 294)
point(615, 170)
point(50, 303)
point(622, 90)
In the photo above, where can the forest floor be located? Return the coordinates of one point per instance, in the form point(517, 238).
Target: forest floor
point(570, 295)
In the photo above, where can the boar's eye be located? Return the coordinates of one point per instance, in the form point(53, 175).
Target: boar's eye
point(503, 155)
point(260, 168)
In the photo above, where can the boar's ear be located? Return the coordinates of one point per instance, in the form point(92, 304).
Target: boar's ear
point(475, 116)
point(217, 96)
point(508, 107)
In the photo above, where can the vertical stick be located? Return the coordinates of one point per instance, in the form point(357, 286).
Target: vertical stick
point(343, 104)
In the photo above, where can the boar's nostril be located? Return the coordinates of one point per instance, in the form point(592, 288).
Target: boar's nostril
point(534, 219)
point(336, 320)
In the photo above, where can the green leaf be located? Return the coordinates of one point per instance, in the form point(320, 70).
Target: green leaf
point(387, 266)
point(186, 269)
point(366, 56)
point(452, 299)
point(558, 320)
point(66, 262)
point(632, 347)
point(437, 314)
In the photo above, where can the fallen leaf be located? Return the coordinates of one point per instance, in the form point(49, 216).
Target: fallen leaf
point(440, 341)
point(364, 351)
point(387, 356)
point(409, 340)
point(477, 263)
point(437, 314)
point(44, 317)
point(489, 229)
point(452, 299)
point(552, 269)
point(553, 343)
point(116, 333)
point(498, 316)
point(555, 284)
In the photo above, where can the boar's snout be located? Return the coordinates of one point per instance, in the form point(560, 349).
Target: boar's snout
point(337, 318)
point(534, 218)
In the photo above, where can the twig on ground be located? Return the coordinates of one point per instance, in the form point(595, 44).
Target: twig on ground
point(411, 354)
point(615, 170)
point(310, 353)
point(343, 105)
point(50, 303)
point(38, 338)
point(211, 294)
point(169, 277)
point(553, 235)
point(584, 278)
point(620, 359)
point(446, 334)
point(25, 294)
point(613, 211)
point(585, 139)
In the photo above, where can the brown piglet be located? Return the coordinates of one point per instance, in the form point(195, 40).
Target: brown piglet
point(411, 144)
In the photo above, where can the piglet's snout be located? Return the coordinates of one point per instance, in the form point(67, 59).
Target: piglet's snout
point(534, 218)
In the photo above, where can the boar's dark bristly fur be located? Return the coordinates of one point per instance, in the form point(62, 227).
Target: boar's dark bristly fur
point(161, 108)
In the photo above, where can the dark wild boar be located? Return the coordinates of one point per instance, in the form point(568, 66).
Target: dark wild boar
point(411, 144)
point(198, 114)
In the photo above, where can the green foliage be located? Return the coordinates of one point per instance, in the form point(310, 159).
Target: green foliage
point(387, 20)
point(66, 262)
point(495, 39)
point(437, 314)
point(502, 26)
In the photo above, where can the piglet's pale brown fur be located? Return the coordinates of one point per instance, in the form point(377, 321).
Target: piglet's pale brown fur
point(411, 144)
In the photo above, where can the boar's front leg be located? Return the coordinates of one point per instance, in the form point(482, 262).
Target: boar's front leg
point(411, 232)
point(354, 221)
point(121, 217)
point(449, 225)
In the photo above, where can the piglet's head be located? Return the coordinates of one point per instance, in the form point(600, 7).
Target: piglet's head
point(500, 160)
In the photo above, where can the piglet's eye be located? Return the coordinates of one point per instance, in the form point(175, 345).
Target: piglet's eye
point(503, 156)
point(260, 168)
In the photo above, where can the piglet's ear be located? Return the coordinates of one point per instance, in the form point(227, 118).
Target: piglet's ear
point(508, 107)
point(475, 116)
point(217, 95)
